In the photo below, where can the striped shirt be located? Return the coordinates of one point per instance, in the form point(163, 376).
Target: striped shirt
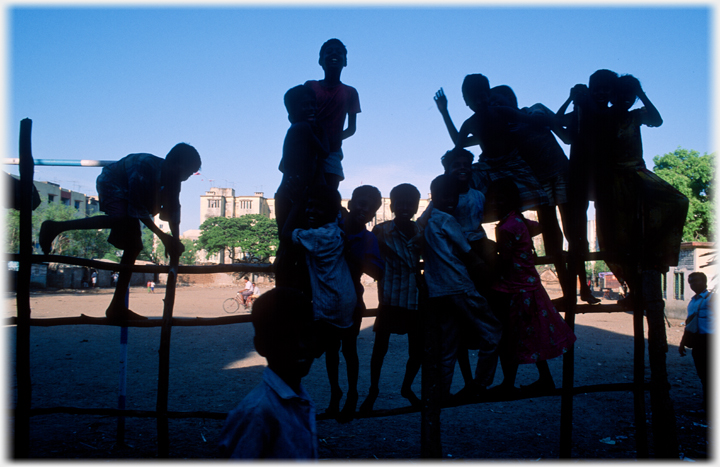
point(333, 291)
point(398, 286)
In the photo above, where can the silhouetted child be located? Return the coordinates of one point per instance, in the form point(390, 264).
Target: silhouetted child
point(587, 130)
point(133, 190)
point(465, 319)
point(304, 151)
point(363, 257)
point(333, 291)
point(397, 292)
point(276, 420)
point(533, 330)
point(469, 213)
point(490, 127)
point(699, 328)
point(640, 217)
point(336, 102)
point(538, 147)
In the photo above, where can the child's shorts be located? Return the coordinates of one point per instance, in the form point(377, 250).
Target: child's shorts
point(127, 236)
point(333, 164)
point(396, 320)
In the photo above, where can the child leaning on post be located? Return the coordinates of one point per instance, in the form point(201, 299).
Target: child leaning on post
point(133, 190)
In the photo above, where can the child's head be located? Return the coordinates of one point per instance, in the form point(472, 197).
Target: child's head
point(458, 164)
point(503, 196)
point(697, 281)
point(625, 94)
point(602, 86)
point(503, 96)
point(444, 192)
point(323, 205)
point(364, 203)
point(182, 161)
point(301, 104)
point(283, 323)
point(404, 201)
point(475, 88)
point(333, 54)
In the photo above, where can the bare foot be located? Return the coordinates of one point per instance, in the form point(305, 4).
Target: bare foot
point(48, 232)
point(334, 406)
point(409, 395)
point(367, 405)
point(348, 411)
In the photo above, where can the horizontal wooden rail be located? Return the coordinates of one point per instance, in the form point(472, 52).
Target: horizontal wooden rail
point(150, 268)
point(606, 387)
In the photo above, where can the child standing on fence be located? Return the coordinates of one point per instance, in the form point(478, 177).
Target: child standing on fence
point(363, 257)
point(333, 292)
point(336, 102)
point(533, 330)
point(465, 319)
point(397, 292)
point(133, 190)
point(276, 420)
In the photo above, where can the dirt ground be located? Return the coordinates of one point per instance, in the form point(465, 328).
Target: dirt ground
point(214, 367)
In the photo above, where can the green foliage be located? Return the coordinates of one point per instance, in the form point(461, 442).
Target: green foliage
point(187, 258)
point(12, 231)
point(254, 234)
point(90, 243)
point(692, 175)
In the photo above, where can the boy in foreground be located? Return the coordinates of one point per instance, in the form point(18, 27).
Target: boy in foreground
point(276, 420)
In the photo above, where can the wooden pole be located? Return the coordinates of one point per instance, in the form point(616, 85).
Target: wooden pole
point(568, 376)
point(21, 441)
point(639, 375)
point(164, 360)
point(430, 438)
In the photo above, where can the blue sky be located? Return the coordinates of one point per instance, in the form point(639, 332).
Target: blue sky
point(100, 83)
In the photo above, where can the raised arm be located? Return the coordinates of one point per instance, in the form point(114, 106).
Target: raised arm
point(653, 115)
point(442, 105)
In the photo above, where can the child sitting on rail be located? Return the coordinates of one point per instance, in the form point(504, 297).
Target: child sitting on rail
point(331, 284)
point(397, 292)
point(276, 420)
point(465, 319)
point(133, 190)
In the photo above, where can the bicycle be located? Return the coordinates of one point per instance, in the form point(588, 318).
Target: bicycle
point(232, 305)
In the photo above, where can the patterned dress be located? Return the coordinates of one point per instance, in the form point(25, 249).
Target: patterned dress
point(537, 330)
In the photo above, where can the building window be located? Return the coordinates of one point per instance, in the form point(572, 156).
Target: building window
point(77, 205)
point(51, 198)
point(213, 203)
point(246, 204)
point(679, 286)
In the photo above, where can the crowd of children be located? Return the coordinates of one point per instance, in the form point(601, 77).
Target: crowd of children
point(485, 296)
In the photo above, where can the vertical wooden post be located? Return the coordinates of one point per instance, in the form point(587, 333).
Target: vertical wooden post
point(430, 438)
point(164, 360)
point(568, 377)
point(21, 441)
point(639, 374)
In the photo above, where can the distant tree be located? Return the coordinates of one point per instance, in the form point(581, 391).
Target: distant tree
point(259, 237)
point(220, 234)
point(80, 243)
point(254, 234)
point(692, 175)
point(188, 257)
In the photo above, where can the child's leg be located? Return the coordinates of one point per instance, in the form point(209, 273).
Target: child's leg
point(332, 363)
point(51, 229)
point(352, 363)
point(415, 351)
point(463, 359)
point(117, 308)
point(380, 348)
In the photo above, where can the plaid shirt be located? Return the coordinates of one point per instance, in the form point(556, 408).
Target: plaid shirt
point(398, 286)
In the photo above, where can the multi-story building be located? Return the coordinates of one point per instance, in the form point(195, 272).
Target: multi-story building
point(53, 193)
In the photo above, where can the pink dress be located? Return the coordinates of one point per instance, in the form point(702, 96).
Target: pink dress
point(534, 325)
